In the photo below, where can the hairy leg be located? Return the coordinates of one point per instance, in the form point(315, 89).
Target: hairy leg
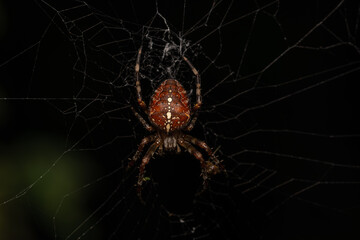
point(142, 120)
point(192, 150)
point(192, 123)
point(198, 85)
point(216, 166)
point(143, 143)
point(150, 152)
point(138, 85)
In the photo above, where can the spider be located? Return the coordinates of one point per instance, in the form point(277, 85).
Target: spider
point(169, 114)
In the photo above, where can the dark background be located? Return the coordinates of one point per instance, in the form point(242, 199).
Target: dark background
point(37, 132)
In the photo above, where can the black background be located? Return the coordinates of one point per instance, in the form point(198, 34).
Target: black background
point(330, 109)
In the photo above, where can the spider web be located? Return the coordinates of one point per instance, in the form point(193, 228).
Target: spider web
point(279, 103)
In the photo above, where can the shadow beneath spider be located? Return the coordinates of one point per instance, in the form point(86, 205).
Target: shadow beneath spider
point(178, 180)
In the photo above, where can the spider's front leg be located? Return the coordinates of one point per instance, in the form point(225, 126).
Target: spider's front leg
point(198, 86)
point(191, 125)
point(150, 152)
point(142, 120)
point(198, 95)
point(138, 85)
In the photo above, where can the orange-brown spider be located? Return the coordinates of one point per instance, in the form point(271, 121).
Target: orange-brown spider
point(169, 114)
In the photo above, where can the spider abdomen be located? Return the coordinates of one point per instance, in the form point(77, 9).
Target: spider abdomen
point(169, 106)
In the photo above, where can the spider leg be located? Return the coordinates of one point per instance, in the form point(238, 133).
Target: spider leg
point(138, 86)
point(150, 152)
point(214, 167)
point(143, 143)
point(204, 168)
point(191, 125)
point(142, 120)
point(198, 86)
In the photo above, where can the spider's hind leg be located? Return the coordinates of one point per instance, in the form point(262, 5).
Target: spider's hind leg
point(143, 143)
point(214, 165)
point(148, 155)
point(204, 166)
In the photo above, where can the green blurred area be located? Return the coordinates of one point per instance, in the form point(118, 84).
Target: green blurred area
point(25, 167)
point(3, 107)
point(38, 182)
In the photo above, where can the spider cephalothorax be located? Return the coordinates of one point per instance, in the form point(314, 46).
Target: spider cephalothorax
point(170, 114)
